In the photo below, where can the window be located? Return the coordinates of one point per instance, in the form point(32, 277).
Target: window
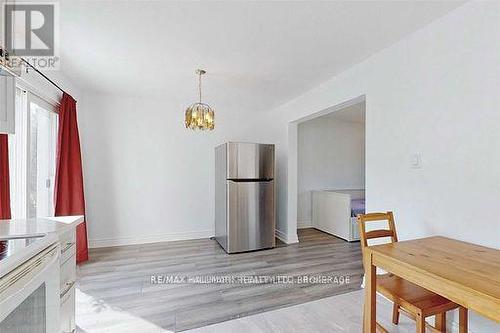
point(32, 157)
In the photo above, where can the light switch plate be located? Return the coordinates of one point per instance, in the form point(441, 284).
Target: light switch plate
point(416, 161)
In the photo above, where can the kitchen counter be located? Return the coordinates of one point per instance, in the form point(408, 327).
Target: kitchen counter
point(38, 226)
point(49, 230)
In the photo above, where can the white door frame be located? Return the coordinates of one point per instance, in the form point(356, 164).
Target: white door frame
point(293, 162)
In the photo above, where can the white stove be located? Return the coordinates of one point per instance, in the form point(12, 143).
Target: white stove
point(8, 247)
point(29, 283)
point(16, 250)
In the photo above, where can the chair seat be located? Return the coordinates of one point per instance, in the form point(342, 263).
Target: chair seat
point(411, 297)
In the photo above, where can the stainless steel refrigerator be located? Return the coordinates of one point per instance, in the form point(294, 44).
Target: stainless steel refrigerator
point(244, 196)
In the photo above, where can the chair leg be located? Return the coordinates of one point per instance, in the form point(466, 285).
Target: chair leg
point(463, 321)
point(363, 318)
point(441, 322)
point(395, 314)
point(420, 323)
point(381, 328)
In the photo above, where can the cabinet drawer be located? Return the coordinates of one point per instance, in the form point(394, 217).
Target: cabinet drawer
point(67, 252)
point(68, 236)
point(68, 273)
point(67, 312)
point(68, 245)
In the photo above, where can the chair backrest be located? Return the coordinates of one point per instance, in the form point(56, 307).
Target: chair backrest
point(379, 233)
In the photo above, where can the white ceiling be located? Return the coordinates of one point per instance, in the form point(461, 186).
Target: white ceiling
point(257, 54)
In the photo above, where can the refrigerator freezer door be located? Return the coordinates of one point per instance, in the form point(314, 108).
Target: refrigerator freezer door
point(250, 161)
point(251, 216)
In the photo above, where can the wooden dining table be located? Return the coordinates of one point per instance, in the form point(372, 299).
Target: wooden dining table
point(465, 273)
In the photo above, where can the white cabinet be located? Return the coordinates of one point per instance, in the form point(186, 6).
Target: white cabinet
point(65, 228)
point(7, 104)
point(332, 212)
point(68, 279)
point(67, 314)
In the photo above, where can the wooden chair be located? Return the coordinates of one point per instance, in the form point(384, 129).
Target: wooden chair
point(416, 302)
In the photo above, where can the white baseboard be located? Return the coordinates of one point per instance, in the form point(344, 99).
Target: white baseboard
point(287, 239)
point(281, 236)
point(304, 224)
point(107, 242)
point(121, 241)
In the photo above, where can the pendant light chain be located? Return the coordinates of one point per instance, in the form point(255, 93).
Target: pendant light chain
point(199, 85)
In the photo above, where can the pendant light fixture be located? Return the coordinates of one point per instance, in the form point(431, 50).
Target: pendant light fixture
point(200, 115)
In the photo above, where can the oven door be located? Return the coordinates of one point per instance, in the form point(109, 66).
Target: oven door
point(29, 295)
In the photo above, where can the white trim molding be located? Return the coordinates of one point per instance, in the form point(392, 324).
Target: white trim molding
point(292, 166)
point(170, 237)
point(107, 242)
point(304, 224)
point(24, 84)
point(287, 239)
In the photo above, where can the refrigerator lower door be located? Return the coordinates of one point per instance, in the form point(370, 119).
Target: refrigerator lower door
point(250, 216)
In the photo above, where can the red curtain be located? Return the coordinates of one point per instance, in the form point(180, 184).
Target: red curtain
point(68, 191)
point(4, 178)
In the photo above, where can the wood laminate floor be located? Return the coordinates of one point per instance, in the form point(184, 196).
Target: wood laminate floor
point(336, 314)
point(114, 289)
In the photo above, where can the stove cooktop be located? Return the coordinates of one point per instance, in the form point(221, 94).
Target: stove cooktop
point(9, 247)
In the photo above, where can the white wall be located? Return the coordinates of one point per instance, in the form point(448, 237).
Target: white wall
point(331, 155)
point(147, 178)
point(436, 93)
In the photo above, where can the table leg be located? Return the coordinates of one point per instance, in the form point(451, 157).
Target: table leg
point(370, 318)
point(463, 320)
point(420, 321)
point(440, 322)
